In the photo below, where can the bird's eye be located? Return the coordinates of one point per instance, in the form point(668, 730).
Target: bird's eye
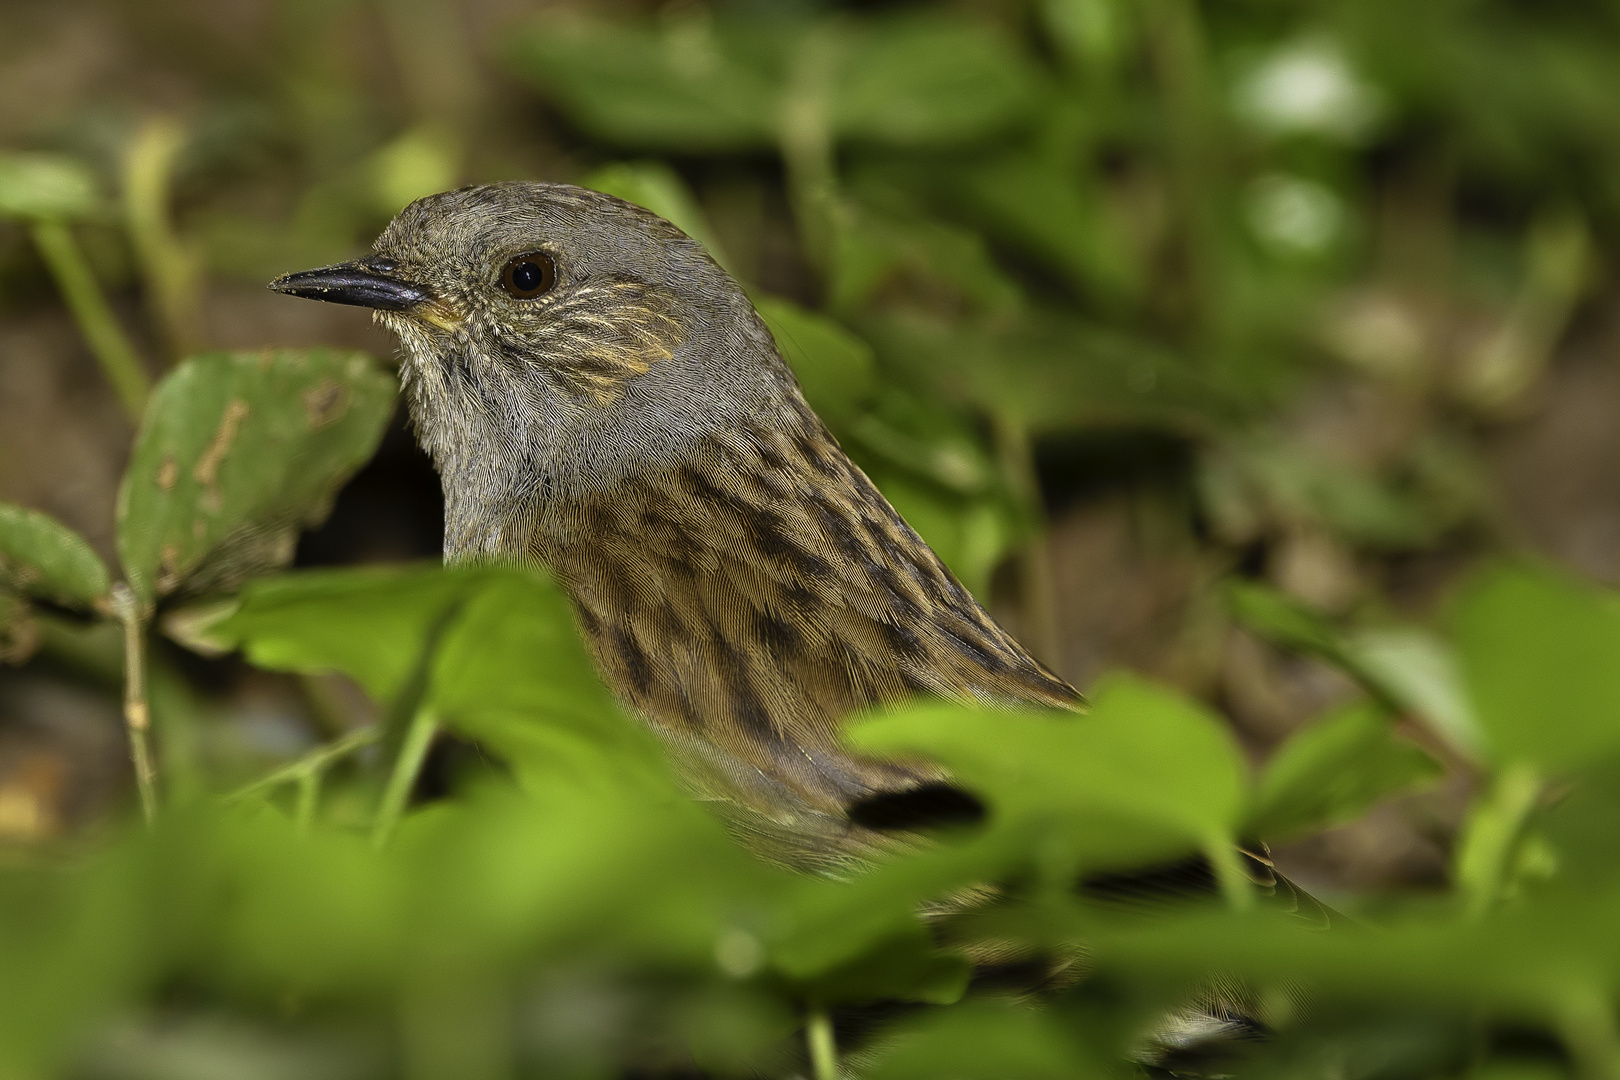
point(528, 276)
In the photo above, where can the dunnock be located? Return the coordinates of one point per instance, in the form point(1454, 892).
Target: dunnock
point(600, 397)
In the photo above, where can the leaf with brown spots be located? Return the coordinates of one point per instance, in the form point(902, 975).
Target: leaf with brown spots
point(236, 453)
point(42, 559)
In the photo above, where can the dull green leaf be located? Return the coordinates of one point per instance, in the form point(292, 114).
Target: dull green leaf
point(1333, 771)
point(236, 453)
point(930, 79)
point(1540, 656)
point(43, 559)
point(48, 187)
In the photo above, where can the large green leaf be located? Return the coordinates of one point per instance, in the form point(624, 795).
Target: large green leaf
point(1143, 754)
point(1333, 771)
point(682, 84)
point(691, 83)
point(237, 451)
point(924, 79)
point(45, 560)
point(1541, 658)
point(370, 623)
point(985, 1040)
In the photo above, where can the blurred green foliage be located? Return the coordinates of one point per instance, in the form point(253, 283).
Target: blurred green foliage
point(1004, 224)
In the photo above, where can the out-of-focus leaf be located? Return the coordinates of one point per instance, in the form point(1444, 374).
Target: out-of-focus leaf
point(1333, 771)
point(906, 967)
point(1142, 753)
point(1051, 371)
point(1541, 659)
point(1416, 669)
point(1407, 667)
point(694, 83)
point(835, 368)
point(1048, 211)
point(881, 242)
point(983, 1041)
point(514, 648)
point(370, 623)
point(683, 84)
point(422, 161)
point(45, 560)
point(237, 451)
point(1281, 619)
point(49, 187)
point(928, 79)
point(655, 186)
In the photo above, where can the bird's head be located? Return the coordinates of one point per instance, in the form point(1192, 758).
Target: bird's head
point(555, 339)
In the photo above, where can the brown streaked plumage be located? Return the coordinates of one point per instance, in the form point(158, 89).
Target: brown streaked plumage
point(742, 584)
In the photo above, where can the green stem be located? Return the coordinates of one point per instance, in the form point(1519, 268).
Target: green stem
point(1492, 836)
point(311, 764)
point(805, 137)
point(1235, 885)
point(1016, 454)
point(169, 269)
point(412, 752)
point(137, 716)
point(94, 315)
point(819, 1039)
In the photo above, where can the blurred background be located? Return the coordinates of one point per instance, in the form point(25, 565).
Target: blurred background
point(1121, 302)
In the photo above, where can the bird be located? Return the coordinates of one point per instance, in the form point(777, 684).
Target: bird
point(600, 398)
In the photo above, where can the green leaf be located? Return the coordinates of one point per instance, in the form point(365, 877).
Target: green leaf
point(982, 1041)
point(928, 79)
point(1333, 771)
point(1281, 619)
point(682, 84)
point(653, 185)
point(1417, 670)
point(43, 559)
point(1143, 754)
point(237, 451)
point(908, 967)
point(50, 187)
point(1541, 659)
point(371, 623)
point(835, 368)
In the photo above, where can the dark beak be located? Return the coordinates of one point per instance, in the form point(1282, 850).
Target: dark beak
point(371, 282)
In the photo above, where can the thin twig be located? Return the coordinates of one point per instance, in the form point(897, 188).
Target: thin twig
point(94, 315)
point(819, 1038)
point(311, 764)
point(137, 716)
point(412, 752)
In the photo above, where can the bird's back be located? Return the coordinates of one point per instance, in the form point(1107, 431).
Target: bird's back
point(748, 599)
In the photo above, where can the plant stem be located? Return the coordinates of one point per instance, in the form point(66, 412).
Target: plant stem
point(311, 764)
point(412, 752)
point(1228, 866)
point(818, 1037)
point(1016, 454)
point(806, 142)
point(137, 717)
point(94, 315)
point(169, 269)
